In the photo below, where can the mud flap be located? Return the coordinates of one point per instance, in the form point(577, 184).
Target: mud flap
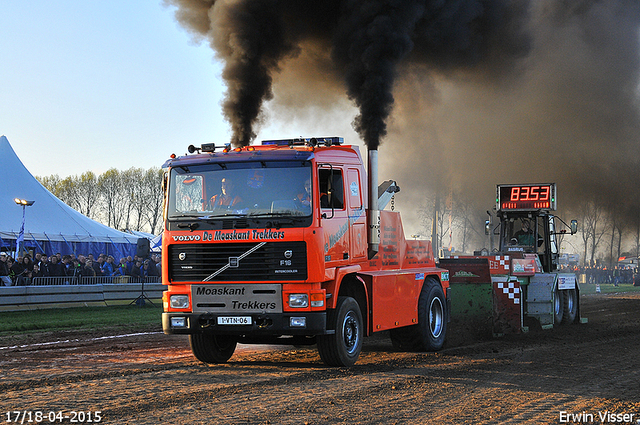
point(470, 298)
point(507, 306)
point(540, 298)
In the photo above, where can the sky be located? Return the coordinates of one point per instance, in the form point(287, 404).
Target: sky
point(93, 85)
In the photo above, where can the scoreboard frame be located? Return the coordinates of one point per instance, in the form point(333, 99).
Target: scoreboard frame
point(526, 197)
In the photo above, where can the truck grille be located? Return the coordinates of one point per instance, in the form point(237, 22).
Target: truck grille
point(224, 262)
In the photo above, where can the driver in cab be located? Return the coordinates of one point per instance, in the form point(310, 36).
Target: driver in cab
point(524, 236)
point(227, 199)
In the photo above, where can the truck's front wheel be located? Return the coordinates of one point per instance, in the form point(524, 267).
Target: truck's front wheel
point(342, 348)
point(212, 348)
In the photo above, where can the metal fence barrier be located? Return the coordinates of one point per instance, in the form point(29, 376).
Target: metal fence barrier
point(86, 280)
point(46, 296)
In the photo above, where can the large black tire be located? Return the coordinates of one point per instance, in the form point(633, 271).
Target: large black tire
point(212, 348)
point(432, 316)
point(430, 332)
point(342, 348)
point(558, 306)
point(570, 305)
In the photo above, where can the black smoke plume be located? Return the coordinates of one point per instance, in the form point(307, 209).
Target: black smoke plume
point(366, 40)
point(469, 93)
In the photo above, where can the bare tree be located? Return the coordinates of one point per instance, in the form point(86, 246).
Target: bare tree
point(617, 229)
point(52, 184)
point(433, 213)
point(469, 223)
point(594, 228)
point(87, 192)
point(114, 197)
point(131, 191)
point(152, 200)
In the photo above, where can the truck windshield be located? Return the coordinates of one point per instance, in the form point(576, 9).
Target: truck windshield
point(267, 188)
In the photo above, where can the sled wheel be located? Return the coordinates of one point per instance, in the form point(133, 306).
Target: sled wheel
point(343, 347)
point(212, 348)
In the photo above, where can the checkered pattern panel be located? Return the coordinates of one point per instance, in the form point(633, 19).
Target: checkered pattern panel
point(499, 264)
point(510, 290)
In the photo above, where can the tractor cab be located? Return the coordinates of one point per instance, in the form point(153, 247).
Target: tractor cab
point(527, 225)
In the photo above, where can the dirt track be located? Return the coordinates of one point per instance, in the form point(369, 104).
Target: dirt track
point(152, 378)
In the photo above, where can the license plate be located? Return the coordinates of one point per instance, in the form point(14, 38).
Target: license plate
point(235, 320)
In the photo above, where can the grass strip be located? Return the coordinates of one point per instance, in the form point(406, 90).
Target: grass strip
point(79, 318)
point(607, 288)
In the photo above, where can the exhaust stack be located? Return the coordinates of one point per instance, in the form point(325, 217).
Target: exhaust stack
point(373, 214)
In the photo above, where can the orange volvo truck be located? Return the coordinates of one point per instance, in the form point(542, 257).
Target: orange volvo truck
point(286, 242)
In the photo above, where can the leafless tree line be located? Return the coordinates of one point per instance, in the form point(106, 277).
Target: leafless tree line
point(124, 200)
point(606, 234)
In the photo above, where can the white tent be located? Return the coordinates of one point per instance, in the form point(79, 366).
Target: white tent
point(50, 225)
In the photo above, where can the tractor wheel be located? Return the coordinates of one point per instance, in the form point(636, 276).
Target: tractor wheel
point(343, 347)
point(212, 348)
point(570, 305)
point(558, 306)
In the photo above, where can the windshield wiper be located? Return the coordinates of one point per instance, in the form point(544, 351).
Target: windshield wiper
point(185, 216)
point(291, 214)
point(225, 215)
point(191, 226)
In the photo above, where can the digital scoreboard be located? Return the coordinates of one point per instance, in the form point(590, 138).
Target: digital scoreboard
point(526, 197)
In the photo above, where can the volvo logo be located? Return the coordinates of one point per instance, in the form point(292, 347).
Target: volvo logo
point(288, 254)
point(182, 256)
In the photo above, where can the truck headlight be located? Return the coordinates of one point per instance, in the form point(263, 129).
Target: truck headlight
point(299, 300)
point(179, 301)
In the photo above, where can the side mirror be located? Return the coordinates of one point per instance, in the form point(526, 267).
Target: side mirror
point(487, 227)
point(574, 227)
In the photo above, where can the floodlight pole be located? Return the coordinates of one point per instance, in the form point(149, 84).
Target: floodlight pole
point(24, 203)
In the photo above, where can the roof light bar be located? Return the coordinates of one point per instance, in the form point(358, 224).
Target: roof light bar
point(312, 141)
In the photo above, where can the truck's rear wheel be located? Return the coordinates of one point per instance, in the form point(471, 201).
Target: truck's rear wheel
point(342, 348)
point(430, 332)
point(432, 316)
point(558, 306)
point(570, 305)
point(212, 348)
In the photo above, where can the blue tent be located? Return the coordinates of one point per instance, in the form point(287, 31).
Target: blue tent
point(51, 226)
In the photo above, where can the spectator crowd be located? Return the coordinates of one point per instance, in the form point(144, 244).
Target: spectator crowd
point(608, 275)
point(24, 269)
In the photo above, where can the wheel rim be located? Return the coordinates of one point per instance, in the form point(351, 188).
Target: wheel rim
point(436, 317)
point(350, 332)
point(557, 304)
